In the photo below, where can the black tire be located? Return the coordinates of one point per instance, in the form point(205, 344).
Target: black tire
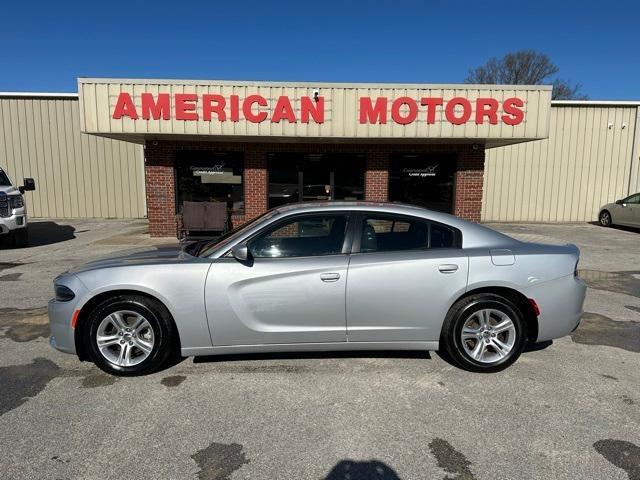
point(21, 238)
point(460, 312)
point(605, 218)
point(164, 334)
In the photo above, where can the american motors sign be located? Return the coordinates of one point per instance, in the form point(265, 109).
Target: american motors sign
point(255, 108)
point(139, 110)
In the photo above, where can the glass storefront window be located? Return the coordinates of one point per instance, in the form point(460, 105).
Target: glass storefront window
point(296, 177)
point(211, 177)
point(423, 179)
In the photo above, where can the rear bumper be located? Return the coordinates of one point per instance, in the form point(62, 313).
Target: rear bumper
point(561, 304)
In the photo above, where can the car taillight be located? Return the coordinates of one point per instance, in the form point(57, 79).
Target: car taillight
point(535, 306)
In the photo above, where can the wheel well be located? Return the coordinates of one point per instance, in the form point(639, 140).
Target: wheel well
point(519, 300)
point(93, 302)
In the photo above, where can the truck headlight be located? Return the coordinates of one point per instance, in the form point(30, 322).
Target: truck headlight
point(16, 201)
point(64, 294)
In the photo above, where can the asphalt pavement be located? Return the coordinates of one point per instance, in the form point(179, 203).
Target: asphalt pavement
point(566, 410)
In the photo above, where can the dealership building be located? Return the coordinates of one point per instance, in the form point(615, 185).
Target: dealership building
point(142, 148)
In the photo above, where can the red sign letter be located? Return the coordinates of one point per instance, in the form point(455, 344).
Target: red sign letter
point(431, 104)
point(316, 109)
point(235, 108)
point(512, 108)
point(186, 106)
point(371, 114)
point(153, 109)
point(482, 110)
point(411, 114)
point(248, 113)
point(124, 107)
point(208, 107)
point(283, 110)
point(450, 110)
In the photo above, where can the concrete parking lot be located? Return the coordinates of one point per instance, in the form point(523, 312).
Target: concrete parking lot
point(564, 411)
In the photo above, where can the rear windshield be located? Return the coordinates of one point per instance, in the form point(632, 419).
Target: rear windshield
point(4, 180)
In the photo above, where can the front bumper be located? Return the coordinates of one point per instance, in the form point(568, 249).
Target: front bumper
point(561, 304)
point(61, 315)
point(17, 220)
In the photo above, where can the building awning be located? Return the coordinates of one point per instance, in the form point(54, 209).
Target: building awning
point(140, 110)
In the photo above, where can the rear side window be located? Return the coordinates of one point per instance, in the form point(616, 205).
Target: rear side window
point(389, 233)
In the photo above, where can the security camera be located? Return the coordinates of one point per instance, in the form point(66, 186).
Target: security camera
point(316, 94)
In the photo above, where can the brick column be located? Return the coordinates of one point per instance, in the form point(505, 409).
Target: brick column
point(255, 181)
point(376, 181)
point(160, 186)
point(468, 183)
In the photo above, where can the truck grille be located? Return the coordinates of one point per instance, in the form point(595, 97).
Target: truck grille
point(4, 205)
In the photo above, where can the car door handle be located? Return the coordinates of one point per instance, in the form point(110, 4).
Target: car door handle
point(448, 268)
point(330, 277)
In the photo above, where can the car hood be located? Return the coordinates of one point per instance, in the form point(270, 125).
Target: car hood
point(9, 190)
point(140, 256)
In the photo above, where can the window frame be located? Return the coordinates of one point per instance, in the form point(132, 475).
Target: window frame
point(358, 222)
point(346, 244)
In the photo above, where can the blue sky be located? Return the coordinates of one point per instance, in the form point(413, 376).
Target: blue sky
point(46, 46)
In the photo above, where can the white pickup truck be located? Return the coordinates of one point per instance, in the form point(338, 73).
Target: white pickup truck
point(13, 210)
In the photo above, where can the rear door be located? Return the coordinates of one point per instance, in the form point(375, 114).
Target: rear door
point(403, 275)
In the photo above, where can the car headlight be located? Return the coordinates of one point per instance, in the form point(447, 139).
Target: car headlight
point(63, 294)
point(16, 201)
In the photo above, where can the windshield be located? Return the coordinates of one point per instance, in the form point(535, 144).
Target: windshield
point(208, 248)
point(4, 180)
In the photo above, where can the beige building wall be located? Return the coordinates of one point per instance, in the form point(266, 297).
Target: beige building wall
point(77, 175)
point(589, 159)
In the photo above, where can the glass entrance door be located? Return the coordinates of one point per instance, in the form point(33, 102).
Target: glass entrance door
point(295, 177)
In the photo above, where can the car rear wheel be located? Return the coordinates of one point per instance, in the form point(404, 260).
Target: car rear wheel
point(605, 218)
point(484, 333)
point(130, 335)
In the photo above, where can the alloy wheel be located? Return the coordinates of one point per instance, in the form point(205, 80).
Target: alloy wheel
point(125, 338)
point(488, 335)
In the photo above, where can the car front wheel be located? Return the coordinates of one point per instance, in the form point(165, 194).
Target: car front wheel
point(605, 218)
point(484, 333)
point(130, 335)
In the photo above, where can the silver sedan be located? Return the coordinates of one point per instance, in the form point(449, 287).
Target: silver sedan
point(323, 277)
point(625, 212)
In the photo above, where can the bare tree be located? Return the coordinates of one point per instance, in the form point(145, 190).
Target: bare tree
point(525, 67)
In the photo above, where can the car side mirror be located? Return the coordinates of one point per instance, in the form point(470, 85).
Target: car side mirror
point(29, 185)
point(240, 252)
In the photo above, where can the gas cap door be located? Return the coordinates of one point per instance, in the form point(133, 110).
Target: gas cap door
point(502, 257)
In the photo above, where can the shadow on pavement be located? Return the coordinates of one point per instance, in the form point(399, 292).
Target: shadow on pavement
point(420, 354)
point(47, 233)
point(369, 470)
point(42, 233)
point(619, 227)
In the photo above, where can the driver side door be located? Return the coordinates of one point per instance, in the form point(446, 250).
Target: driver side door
point(292, 288)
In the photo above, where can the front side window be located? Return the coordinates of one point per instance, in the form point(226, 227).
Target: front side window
point(632, 199)
point(4, 179)
point(388, 234)
point(301, 236)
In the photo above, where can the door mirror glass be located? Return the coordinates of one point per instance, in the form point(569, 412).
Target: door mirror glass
point(29, 185)
point(619, 202)
point(240, 252)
